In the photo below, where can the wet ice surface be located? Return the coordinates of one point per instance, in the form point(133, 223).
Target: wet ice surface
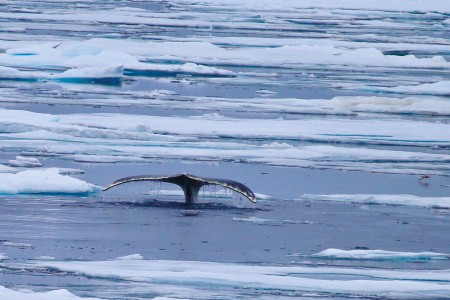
point(335, 113)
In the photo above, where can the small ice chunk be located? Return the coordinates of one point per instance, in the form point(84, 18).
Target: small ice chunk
point(22, 161)
point(44, 257)
point(131, 257)
point(87, 73)
point(3, 256)
point(379, 255)
point(17, 245)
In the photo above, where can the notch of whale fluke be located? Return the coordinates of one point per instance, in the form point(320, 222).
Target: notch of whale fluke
point(190, 184)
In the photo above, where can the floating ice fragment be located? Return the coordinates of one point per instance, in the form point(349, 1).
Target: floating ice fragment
point(404, 200)
point(43, 182)
point(45, 257)
point(131, 257)
point(3, 256)
point(17, 245)
point(22, 161)
point(261, 221)
point(29, 295)
point(91, 73)
point(379, 255)
point(441, 88)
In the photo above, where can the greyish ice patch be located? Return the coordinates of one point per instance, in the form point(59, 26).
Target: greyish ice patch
point(379, 255)
point(402, 200)
point(215, 278)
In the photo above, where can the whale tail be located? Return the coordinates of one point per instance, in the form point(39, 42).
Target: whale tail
point(190, 184)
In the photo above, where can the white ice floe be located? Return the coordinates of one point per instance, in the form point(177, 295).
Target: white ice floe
point(131, 257)
point(9, 294)
point(379, 255)
point(378, 5)
point(341, 105)
point(43, 181)
point(269, 222)
point(133, 54)
point(441, 88)
point(283, 56)
point(214, 277)
point(88, 73)
point(403, 200)
point(13, 73)
point(120, 137)
point(88, 60)
point(45, 257)
point(17, 245)
point(25, 161)
point(3, 256)
point(6, 169)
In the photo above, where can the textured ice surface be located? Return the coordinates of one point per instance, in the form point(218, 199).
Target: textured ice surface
point(46, 181)
point(406, 200)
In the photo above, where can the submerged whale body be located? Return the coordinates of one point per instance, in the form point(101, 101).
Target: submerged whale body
point(190, 184)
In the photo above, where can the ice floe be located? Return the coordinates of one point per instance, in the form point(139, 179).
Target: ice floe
point(6, 293)
point(199, 275)
point(17, 245)
point(87, 60)
point(269, 222)
point(43, 181)
point(403, 200)
point(25, 161)
point(3, 256)
point(379, 255)
point(441, 88)
point(121, 137)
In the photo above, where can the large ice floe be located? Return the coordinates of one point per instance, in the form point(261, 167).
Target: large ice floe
point(379, 255)
point(44, 181)
point(402, 200)
point(303, 142)
point(209, 280)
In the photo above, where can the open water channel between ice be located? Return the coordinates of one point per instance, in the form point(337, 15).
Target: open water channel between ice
point(335, 113)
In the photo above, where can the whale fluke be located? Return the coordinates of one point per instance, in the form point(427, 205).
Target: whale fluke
point(190, 184)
